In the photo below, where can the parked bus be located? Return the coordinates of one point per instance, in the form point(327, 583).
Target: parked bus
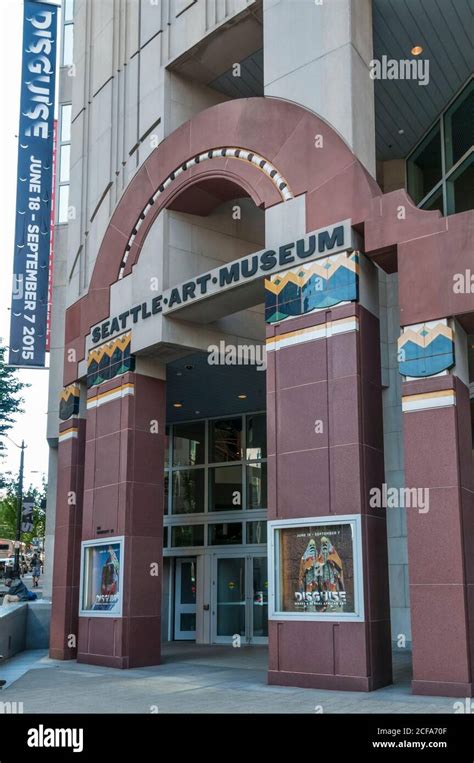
point(7, 555)
point(7, 548)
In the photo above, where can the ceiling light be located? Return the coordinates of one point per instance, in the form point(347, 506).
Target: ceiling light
point(242, 397)
point(416, 50)
point(177, 405)
point(400, 132)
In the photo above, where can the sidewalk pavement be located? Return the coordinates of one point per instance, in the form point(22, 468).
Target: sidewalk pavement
point(195, 679)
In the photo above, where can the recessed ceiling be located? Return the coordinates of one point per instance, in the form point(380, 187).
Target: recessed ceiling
point(445, 30)
point(212, 390)
point(248, 84)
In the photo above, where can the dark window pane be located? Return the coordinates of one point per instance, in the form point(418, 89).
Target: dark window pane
point(187, 535)
point(260, 597)
point(460, 188)
point(187, 621)
point(188, 444)
point(230, 597)
point(256, 436)
point(225, 440)
point(459, 126)
point(225, 488)
point(188, 582)
point(188, 491)
point(165, 537)
point(257, 532)
point(257, 486)
point(167, 447)
point(435, 201)
point(424, 166)
point(221, 535)
point(166, 487)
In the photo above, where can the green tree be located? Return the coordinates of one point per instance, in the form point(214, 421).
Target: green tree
point(8, 511)
point(10, 399)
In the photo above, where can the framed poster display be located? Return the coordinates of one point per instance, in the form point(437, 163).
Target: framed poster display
point(315, 567)
point(101, 589)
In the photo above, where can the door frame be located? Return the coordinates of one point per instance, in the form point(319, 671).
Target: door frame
point(178, 634)
point(248, 556)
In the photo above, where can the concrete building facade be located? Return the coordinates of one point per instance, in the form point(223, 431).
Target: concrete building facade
point(237, 180)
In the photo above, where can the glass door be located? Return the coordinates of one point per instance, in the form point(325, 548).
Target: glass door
point(259, 604)
point(240, 599)
point(185, 600)
point(230, 599)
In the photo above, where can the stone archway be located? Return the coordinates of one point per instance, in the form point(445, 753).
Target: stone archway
point(301, 154)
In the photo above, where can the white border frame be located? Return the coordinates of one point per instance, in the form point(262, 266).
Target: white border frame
point(274, 558)
point(102, 542)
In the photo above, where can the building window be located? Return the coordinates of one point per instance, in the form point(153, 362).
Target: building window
point(460, 187)
point(257, 486)
point(68, 10)
point(68, 33)
point(183, 536)
point(440, 168)
point(226, 440)
point(218, 466)
point(225, 534)
point(256, 532)
point(64, 161)
point(188, 491)
point(225, 488)
point(424, 166)
point(189, 444)
point(459, 126)
point(256, 442)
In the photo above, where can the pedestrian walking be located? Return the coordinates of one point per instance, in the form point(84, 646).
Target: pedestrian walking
point(35, 570)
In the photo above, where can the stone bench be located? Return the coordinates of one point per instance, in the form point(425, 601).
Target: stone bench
point(24, 625)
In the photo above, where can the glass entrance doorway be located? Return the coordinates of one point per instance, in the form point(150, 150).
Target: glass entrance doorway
point(240, 599)
point(185, 600)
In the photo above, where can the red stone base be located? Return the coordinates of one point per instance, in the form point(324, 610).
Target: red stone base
point(321, 681)
point(62, 654)
point(442, 689)
point(122, 663)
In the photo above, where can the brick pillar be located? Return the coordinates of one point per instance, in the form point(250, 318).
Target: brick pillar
point(438, 459)
point(68, 528)
point(325, 366)
point(123, 496)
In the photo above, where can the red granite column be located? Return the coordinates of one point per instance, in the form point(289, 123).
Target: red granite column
point(123, 496)
point(67, 538)
point(438, 459)
point(332, 377)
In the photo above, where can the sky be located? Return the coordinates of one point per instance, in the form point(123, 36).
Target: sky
point(30, 425)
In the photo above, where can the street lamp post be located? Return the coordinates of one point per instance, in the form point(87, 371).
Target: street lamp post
point(16, 567)
point(19, 507)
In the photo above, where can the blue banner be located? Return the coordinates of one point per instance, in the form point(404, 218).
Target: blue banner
point(34, 187)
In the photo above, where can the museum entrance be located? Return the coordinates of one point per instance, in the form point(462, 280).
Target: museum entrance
point(235, 597)
point(215, 518)
point(239, 599)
